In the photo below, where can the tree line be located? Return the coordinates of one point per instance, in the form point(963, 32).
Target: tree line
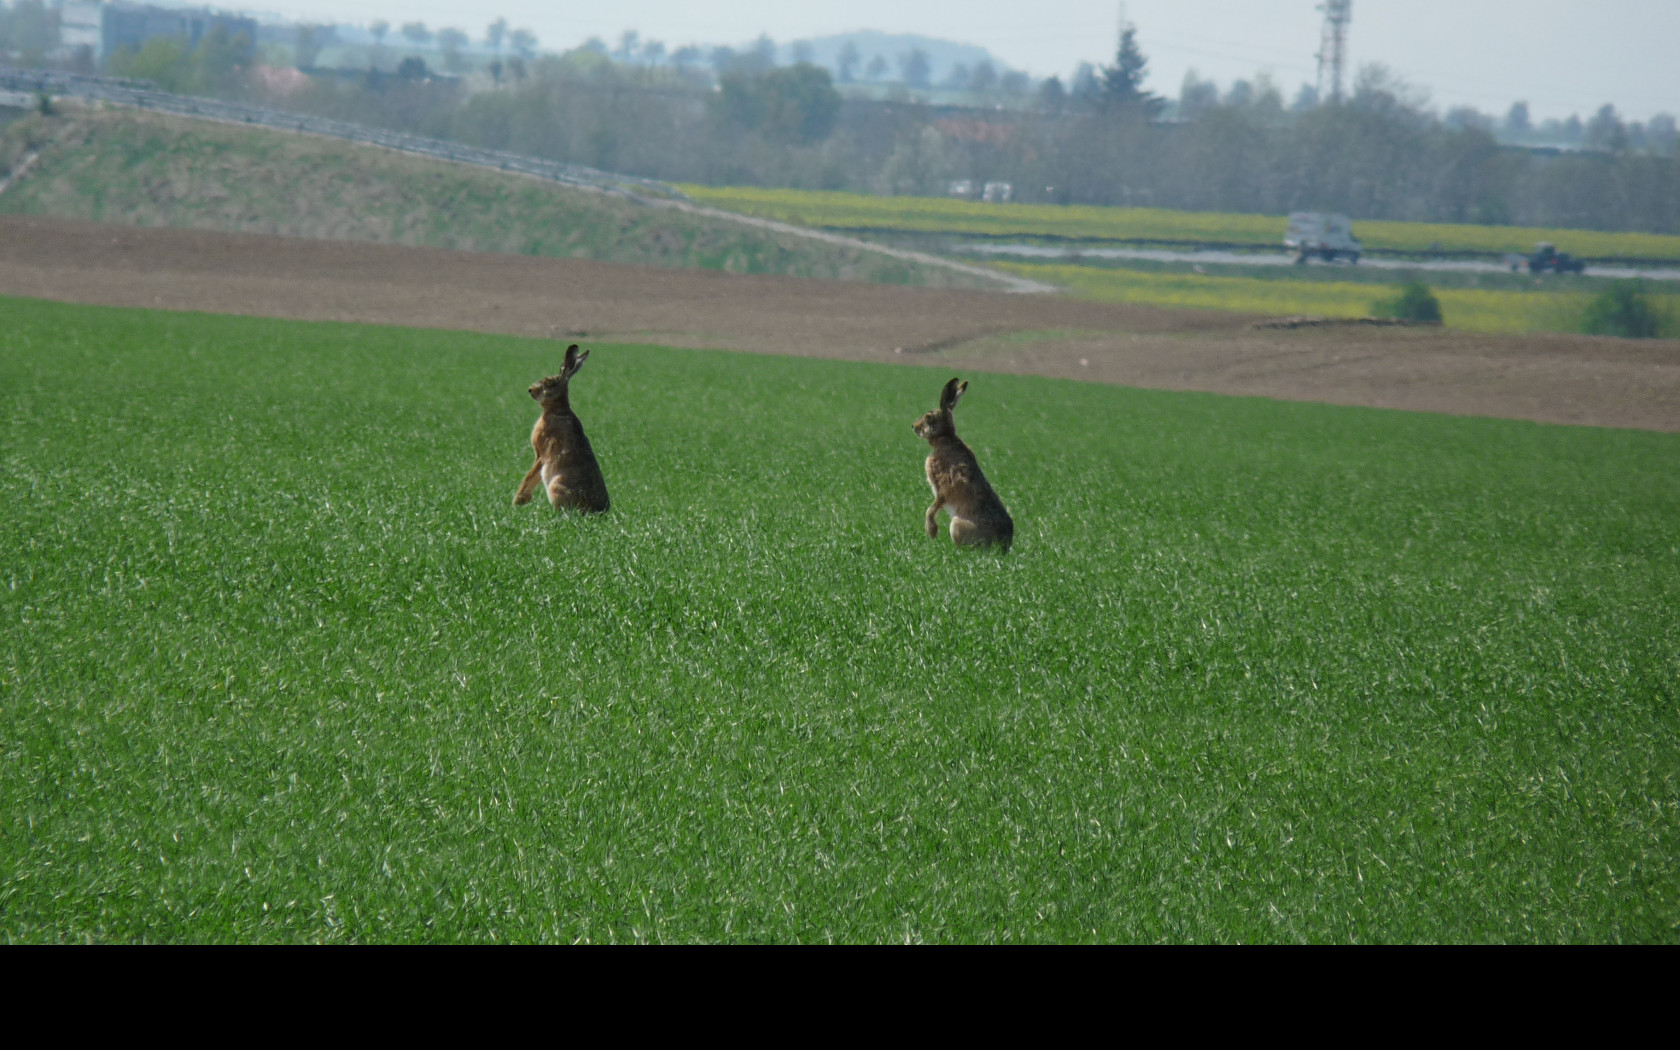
point(1377, 155)
point(29, 32)
point(1102, 138)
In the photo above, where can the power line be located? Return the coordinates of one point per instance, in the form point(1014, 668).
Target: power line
point(1265, 61)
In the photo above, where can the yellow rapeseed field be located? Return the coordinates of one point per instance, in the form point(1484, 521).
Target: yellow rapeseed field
point(858, 211)
point(1471, 309)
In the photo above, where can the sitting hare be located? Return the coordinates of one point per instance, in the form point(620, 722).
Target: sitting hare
point(565, 462)
point(977, 515)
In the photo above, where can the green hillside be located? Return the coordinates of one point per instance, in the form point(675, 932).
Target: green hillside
point(143, 169)
point(279, 661)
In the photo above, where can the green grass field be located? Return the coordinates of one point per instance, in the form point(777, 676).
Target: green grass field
point(278, 661)
point(859, 211)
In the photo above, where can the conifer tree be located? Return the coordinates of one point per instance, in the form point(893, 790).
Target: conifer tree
point(1122, 83)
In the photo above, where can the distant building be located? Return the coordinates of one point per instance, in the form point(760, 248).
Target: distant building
point(80, 24)
point(102, 28)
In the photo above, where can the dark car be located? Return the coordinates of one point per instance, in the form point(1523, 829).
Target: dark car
point(1547, 259)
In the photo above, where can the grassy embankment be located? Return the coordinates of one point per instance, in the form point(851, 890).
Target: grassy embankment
point(1490, 303)
point(278, 660)
point(143, 169)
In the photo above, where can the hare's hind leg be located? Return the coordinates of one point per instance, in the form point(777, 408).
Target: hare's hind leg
point(965, 533)
point(529, 485)
point(560, 496)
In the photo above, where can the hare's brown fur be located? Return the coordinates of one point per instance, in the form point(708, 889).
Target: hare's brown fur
point(978, 517)
point(565, 463)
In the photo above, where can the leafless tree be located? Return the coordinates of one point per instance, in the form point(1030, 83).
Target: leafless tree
point(914, 68)
point(848, 61)
point(450, 42)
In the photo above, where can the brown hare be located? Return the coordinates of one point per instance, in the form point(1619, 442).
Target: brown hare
point(977, 515)
point(565, 462)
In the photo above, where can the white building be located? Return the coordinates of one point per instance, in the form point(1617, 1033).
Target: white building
point(81, 23)
point(104, 27)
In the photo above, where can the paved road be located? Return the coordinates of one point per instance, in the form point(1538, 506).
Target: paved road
point(1270, 259)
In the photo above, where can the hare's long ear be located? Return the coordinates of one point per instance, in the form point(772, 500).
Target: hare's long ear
point(948, 397)
point(574, 361)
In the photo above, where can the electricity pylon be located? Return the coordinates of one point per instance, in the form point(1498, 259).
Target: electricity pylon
point(1332, 48)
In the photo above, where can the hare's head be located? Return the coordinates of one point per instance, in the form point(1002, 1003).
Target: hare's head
point(939, 423)
point(553, 388)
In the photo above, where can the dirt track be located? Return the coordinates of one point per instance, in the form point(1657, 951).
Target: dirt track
point(1551, 378)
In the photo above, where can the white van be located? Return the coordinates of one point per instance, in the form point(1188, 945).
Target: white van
point(1330, 237)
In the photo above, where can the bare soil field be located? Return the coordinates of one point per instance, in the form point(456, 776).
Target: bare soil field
point(1548, 378)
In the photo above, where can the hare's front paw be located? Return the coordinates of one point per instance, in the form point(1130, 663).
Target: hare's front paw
point(932, 527)
point(521, 498)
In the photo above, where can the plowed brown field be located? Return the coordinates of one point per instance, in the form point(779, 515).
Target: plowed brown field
point(1550, 378)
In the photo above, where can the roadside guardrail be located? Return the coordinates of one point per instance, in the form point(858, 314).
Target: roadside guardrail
point(31, 83)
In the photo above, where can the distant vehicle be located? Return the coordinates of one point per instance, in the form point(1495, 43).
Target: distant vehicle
point(1329, 237)
point(1547, 259)
point(998, 193)
point(962, 188)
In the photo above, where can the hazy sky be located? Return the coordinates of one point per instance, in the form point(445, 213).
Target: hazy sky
point(1562, 56)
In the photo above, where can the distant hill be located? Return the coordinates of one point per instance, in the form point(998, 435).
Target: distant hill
point(942, 54)
point(146, 169)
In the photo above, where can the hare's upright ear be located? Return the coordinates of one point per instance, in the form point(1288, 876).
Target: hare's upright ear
point(574, 361)
point(952, 392)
